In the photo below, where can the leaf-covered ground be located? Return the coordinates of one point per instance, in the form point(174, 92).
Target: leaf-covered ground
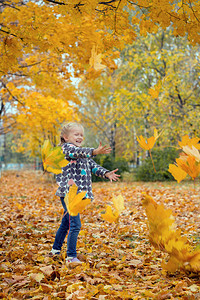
point(119, 262)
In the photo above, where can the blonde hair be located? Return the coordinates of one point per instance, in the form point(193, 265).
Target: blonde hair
point(66, 129)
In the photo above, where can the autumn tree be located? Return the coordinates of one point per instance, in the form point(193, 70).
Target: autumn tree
point(156, 85)
point(44, 43)
point(96, 110)
point(159, 86)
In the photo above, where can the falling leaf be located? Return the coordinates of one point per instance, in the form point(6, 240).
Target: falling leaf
point(146, 144)
point(186, 141)
point(149, 143)
point(192, 151)
point(53, 158)
point(177, 172)
point(95, 60)
point(119, 203)
point(189, 165)
point(109, 215)
point(75, 202)
point(112, 215)
point(164, 236)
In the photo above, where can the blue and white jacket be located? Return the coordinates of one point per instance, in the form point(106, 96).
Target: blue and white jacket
point(79, 170)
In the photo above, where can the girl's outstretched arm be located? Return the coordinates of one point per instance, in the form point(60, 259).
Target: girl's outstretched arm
point(102, 149)
point(112, 176)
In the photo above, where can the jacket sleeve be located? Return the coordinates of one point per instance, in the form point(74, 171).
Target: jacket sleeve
point(97, 169)
point(73, 152)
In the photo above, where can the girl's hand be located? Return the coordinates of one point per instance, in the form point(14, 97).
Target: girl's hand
point(112, 176)
point(102, 150)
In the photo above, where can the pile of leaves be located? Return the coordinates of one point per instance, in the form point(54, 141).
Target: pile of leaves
point(119, 260)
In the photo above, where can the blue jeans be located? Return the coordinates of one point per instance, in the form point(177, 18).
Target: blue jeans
point(73, 224)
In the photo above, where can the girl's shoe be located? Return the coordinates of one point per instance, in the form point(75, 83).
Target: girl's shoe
point(54, 252)
point(73, 260)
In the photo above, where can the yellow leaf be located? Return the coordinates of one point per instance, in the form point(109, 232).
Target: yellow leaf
point(119, 203)
point(72, 192)
point(194, 261)
point(192, 151)
point(186, 141)
point(151, 142)
point(156, 135)
point(164, 236)
point(147, 145)
point(53, 158)
point(171, 266)
point(177, 172)
point(154, 92)
point(189, 165)
point(95, 60)
point(79, 206)
point(75, 202)
point(109, 215)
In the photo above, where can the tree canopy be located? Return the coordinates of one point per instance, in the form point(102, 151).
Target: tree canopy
point(44, 44)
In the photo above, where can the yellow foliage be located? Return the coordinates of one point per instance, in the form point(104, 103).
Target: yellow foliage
point(189, 161)
point(40, 119)
point(75, 202)
point(119, 203)
point(149, 143)
point(146, 144)
point(186, 141)
point(192, 151)
point(177, 172)
point(164, 236)
point(154, 92)
point(53, 158)
point(95, 60)
point(189, 165)
point(110, 215)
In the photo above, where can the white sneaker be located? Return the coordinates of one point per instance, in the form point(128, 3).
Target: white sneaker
point(74, 260)
point(54, 252)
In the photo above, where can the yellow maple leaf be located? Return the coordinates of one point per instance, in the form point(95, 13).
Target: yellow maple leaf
point(177, 172)
point(146, 144)
point(192, 151)
point(161, 221)
point(53, 158)
point(147, 200)
point(75, 202)
point(164, 236)
point(149, 143)
point(119, 203)
point(186, 141)
point(95, 60)
point(154, 91)
point(194, 261)
point(109, 215)
point(189, 165)
point(172, 265)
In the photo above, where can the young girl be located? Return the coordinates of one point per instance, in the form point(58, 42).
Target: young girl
point(78, 171)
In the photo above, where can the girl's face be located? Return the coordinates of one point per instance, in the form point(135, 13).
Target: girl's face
point(75, 136)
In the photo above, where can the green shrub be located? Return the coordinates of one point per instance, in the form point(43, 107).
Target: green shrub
point(111, 163)
point(162, 159)
point(128, 176)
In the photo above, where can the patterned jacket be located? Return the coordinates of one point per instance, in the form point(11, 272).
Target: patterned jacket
point(79, 170)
